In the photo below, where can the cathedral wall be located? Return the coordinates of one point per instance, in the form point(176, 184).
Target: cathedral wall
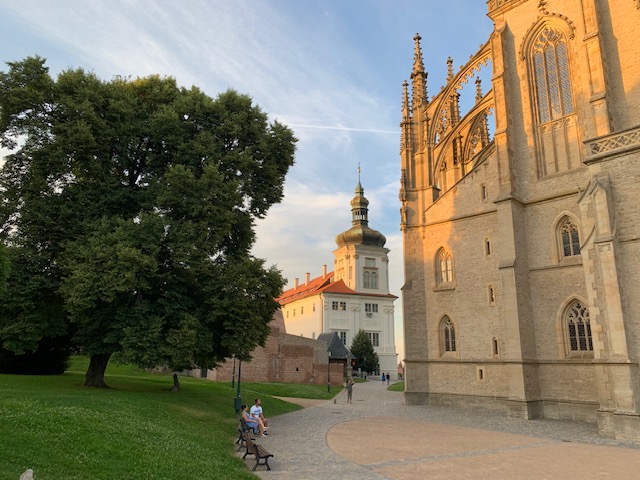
point(568, 381)
point(465, 379)
point(625, 178)
point(467, 195)
point(626, 219)
point(467, 302)
point(629, 270)
point(618, 28)
point(413, 292)
point(551, 289)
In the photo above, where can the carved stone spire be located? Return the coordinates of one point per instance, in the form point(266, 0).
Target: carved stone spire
point(405, 124)
point(418, 76)
point(478, 89)
point(449, 69)
point(405, 101)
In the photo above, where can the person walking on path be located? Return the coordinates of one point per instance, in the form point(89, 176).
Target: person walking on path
point(388, 378)
point(349, 390)
point(383, 378)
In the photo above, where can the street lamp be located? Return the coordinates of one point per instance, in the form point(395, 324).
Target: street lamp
point(329, 372)
point(233, 375)
point(238, 400)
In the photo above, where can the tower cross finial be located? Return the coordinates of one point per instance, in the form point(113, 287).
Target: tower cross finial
point(358, 172)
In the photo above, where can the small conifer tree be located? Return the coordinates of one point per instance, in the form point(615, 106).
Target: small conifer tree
point(362, 349)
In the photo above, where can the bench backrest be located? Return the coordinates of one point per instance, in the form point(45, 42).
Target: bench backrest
point(251, 447)
point(244, 425)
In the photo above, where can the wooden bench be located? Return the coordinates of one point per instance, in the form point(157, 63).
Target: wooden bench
point(243, 429)
point(259, 451)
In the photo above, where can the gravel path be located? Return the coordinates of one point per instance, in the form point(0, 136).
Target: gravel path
point(379, 437)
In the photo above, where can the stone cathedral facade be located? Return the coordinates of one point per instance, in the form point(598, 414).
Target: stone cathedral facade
point(521, 219)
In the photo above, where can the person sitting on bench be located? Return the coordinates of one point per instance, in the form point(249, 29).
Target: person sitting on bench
point(253, 422)
point(256, 412)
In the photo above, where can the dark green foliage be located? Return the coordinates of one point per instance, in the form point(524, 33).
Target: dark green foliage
point(4, 268)
point(50, 358)
point(362, 348)
point(129, 211)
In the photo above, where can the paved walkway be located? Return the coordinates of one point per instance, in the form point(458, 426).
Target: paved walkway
point(378, 437)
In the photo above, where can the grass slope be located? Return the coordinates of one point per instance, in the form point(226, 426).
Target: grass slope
point(136, 429)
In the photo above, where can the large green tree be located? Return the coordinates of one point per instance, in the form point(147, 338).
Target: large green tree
point(362, 349)
point(4, 268)
point(131, 204)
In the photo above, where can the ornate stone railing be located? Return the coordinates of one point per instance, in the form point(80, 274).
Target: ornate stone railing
point(619, 141)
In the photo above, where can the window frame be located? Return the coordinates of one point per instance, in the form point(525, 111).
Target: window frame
point(444, 270)
point(374, 338)
point(448, 337)
point(577, 313)
point(550, 73)
point(569, 223)
point(371, 308)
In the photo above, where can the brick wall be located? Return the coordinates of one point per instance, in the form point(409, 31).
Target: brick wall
point(284, 359)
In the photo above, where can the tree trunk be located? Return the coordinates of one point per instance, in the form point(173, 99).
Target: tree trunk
point(176, 383)
point(95, 372)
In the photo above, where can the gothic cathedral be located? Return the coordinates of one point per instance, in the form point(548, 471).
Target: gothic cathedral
point(520, 219)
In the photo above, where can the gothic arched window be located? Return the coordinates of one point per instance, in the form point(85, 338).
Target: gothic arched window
point(569, 238)
point(447, 336)
point(578, 328)
point(444, 267)
point(551, 72)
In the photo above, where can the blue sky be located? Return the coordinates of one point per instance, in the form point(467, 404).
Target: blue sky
point(332, 70)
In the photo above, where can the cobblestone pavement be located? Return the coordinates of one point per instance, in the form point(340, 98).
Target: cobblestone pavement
point(378, 437)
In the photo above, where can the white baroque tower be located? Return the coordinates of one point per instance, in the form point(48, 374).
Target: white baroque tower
point(354, 297)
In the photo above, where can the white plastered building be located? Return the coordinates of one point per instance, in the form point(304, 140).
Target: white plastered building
point(354, 297)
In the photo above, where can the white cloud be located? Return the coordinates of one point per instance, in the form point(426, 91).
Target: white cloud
point(330, 69)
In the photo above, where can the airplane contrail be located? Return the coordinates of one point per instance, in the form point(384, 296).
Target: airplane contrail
point(325, 127)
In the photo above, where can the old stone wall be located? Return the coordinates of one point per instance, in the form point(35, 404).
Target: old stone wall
point(284, 358)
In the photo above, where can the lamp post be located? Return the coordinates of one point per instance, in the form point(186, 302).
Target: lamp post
point(238, 400)
point(233, 375)
point(329, 372)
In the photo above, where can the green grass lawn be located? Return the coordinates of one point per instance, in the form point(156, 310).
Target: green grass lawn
point(396, 387)
point(136, 429)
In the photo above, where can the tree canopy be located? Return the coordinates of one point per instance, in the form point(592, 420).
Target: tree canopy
point(128, 207)
point(362, 349)
point(4, 268)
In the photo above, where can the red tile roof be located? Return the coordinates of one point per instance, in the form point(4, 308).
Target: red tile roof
point(320, 285)
point(304, 290)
